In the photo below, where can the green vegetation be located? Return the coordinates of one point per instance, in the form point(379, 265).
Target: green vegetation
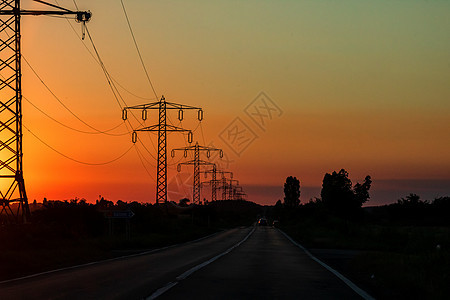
point(66, 233)
point(402, 249)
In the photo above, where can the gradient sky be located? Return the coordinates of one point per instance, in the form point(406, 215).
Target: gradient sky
point(361, 85)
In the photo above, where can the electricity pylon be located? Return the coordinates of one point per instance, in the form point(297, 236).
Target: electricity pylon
point(227, 188)
point(213, 181)
point(196, 162)
point(11, 151)
point(238, 193)
point(232, 188)
point(162, 128)
point(223, 182)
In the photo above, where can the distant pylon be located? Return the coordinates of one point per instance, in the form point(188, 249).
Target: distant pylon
point(213, 181)
point(162, 128)
point(223, 182)
point(196, 162)
point(11, 164)
point(232, 188)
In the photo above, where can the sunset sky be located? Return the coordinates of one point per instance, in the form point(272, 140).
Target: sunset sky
point(360, 85)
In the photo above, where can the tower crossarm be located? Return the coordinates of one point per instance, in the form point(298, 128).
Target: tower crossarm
point(167, 106)
point(81, 16)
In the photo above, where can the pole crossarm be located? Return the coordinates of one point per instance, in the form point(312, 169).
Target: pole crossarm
point(193, 162)
point(81, 16)
point(168, 128)
point(167, 106)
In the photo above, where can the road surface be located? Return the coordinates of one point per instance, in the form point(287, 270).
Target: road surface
point(265, 265)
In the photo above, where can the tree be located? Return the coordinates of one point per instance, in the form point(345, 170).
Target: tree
point(339, 196)
point(411, 200)
point(184, 202)
point(362, 191)
point(292, 192)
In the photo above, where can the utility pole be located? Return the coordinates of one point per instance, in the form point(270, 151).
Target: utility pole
point(162, 128)
point(196, 162)
point(11, 152)
point(227, 188)
point(223, 182)
point(213, 181)
point(232, 188)
point(238, 193)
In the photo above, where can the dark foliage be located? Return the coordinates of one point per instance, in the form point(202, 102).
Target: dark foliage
point(292, 192)
point(340, 197)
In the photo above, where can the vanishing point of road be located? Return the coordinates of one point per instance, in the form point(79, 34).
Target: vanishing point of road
point(242, 263)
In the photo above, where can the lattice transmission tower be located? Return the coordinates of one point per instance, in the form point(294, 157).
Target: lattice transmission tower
point(12, 185)
point(227, 188)
point(213, 182)
point(196, 162)
point(223, 182)
point(162, 128)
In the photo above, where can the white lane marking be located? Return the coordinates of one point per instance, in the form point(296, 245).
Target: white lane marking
point(353, 286)
point(189, 272)
point(162, 290)
point(108, 260)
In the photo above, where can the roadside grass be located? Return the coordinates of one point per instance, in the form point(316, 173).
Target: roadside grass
point(34, 249)
point(404, 276)
point(395, 261)
point(64, 234)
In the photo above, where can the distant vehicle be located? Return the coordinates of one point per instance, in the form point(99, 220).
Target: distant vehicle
point(262, 222)
point(275, 223)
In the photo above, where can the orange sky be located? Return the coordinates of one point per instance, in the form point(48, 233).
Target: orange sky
point(360, 86)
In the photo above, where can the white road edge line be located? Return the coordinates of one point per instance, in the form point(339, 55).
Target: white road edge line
point(107, 260)
point(189, 272)
point(353, 286)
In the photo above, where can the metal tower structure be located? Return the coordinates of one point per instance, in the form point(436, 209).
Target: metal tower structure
point(223, 182)
point(227, 188)
point(12, 185)
point(162, 128)
point(213, 181)
point(232, 188)
point(238, 193)
point(196, 162)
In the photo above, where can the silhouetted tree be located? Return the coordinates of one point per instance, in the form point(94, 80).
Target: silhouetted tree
point(362, 191)
point(412, 200)
point(292, 192)
point(339, 196)
point(184, 202)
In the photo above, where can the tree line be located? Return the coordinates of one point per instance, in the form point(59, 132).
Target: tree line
point(341, 198)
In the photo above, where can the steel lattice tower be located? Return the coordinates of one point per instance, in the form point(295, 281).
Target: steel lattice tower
point(12, 184)
point(196, 162)
point(162, 128)
point(223, 182)
point(213, 181)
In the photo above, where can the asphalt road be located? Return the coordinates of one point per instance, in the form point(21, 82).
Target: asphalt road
point(265, 266)
point(128, 278)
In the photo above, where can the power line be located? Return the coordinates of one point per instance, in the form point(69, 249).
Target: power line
point(69, 127)
point(137, 49)
point(73, 159)
point(97, 131)
point(95, 59)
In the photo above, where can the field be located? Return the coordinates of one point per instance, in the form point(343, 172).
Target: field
point(389, 259)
